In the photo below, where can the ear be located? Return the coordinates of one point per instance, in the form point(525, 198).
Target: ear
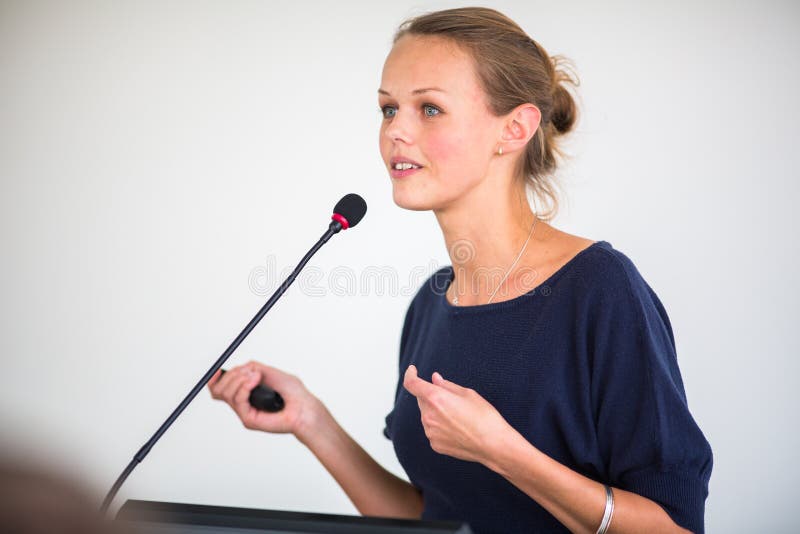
point(520, 126)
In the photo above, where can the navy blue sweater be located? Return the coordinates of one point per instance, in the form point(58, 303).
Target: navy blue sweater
point(583, 366)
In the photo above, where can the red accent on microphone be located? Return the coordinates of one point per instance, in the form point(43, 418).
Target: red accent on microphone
point(342, 220)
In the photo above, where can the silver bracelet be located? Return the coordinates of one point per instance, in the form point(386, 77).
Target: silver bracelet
point(609, 511)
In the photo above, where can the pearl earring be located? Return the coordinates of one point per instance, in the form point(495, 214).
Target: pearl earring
point(500, 151)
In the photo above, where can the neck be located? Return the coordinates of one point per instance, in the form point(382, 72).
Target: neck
point(484, 233)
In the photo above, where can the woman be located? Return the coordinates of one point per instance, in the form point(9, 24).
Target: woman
point(540, 388)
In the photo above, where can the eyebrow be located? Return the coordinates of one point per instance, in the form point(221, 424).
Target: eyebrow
point(415, 91)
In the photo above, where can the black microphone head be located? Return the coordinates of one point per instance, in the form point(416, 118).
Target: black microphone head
point(350, 210)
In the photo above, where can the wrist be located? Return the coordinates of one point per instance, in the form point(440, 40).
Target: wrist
point(503, 452)
point(310, 421)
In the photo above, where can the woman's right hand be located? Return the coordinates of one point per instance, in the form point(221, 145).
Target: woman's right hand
point(234, 387)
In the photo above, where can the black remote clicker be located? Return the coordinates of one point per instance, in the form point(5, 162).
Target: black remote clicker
point(264, 398)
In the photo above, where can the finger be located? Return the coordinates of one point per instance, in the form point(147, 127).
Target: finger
point(415, 385)
point(241, 400)
point(213, 380)
point(270, 375)
point(233, 386)
point(250, 381)
point(263, 372)
point(221, 382)
point(440, 381)
point(258, 365)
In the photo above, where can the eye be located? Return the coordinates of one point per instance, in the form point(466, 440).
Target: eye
point(427, 107)
point(386, 109)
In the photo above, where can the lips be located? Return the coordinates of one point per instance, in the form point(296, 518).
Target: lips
point(402, 173)
point(401, 159)
point(398, 173)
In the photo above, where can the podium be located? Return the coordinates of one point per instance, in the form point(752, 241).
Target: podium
point(154, 517)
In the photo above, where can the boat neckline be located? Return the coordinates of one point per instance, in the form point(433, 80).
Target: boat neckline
point(548, 282)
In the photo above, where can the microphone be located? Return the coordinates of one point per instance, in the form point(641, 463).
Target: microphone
point(349, 210)
point(347, 213)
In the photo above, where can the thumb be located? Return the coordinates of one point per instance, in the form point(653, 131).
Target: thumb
point(439, 380)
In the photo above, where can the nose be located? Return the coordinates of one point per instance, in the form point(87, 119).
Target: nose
point(399, 128)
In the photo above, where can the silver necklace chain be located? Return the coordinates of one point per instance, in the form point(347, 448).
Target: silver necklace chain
point(535, 218)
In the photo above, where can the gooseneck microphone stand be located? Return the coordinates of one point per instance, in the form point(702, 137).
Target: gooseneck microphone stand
point(339, 222)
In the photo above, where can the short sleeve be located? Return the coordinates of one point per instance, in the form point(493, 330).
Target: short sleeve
point(648, 439)
point(387, 430)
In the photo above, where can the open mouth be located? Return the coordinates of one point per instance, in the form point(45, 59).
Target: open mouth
point(399, 169)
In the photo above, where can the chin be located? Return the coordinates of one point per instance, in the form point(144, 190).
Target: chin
point(411, 199)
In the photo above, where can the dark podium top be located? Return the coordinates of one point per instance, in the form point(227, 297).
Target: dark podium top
point(152, 517)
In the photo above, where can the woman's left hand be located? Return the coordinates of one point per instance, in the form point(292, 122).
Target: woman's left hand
point(457, 420)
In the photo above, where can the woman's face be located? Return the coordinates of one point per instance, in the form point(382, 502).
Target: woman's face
point(435, 114)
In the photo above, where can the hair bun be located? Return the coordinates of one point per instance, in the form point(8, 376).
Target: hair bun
point(565, 111)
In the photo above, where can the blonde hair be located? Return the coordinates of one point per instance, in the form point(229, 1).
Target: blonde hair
point(513, 69)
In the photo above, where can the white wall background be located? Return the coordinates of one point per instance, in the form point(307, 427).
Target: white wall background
point(153, 155)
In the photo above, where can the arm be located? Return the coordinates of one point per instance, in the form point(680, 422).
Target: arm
point(372, 489)
point(460, 423)
point(575, 500)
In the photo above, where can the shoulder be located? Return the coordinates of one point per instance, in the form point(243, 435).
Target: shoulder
point(594, 265)
point(618, 295)
point(607, 283)
point(609, 271)
point(562, 247)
